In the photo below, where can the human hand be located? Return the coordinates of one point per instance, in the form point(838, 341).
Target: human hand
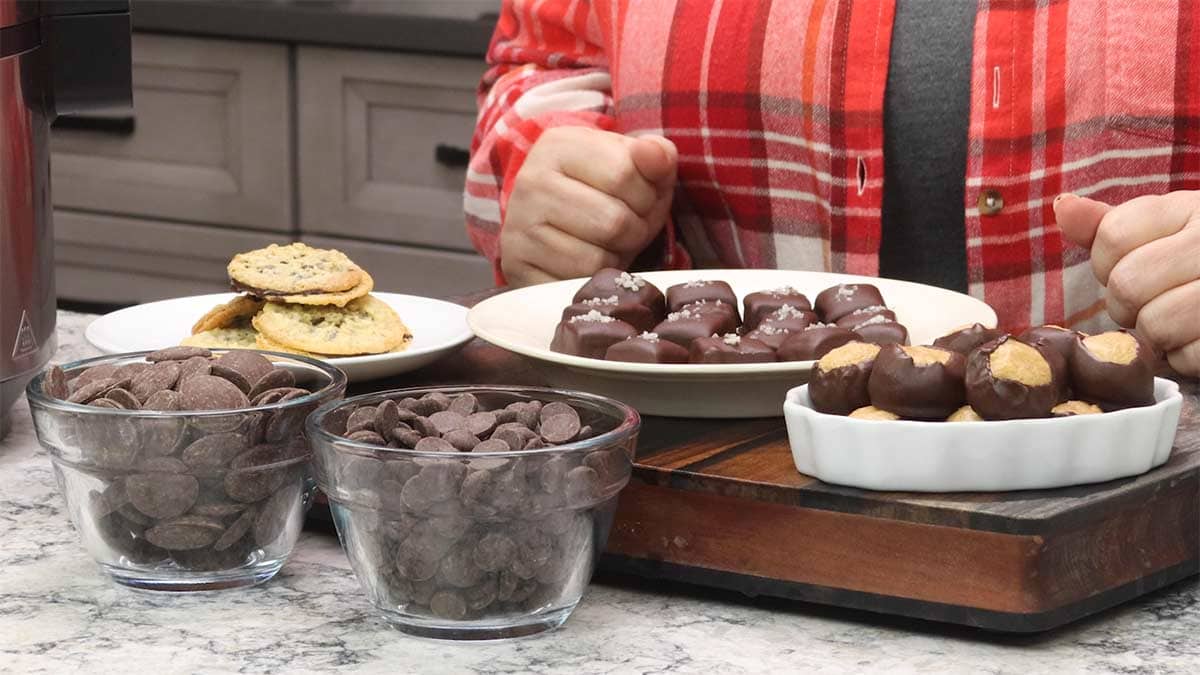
point(1146, 252)
point(585, 199)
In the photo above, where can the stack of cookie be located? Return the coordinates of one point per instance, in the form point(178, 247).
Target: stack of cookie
point(302, 300)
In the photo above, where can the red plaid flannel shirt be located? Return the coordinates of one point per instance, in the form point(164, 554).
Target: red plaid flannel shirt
point(776, 108)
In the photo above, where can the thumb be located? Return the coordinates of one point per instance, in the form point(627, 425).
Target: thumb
point(655, 158)
point(1079, 217)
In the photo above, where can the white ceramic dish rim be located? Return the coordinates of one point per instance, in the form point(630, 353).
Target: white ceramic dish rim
point(1172, 393)
point(704, 371)
point(458, 339)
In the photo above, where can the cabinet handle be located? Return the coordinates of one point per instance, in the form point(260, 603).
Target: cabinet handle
point(451, 156)
point(118, 125)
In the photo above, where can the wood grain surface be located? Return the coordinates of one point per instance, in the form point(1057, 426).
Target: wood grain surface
point(720, 503)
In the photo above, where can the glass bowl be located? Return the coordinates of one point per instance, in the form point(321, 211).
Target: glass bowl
point(185, 501)
point(475, 546)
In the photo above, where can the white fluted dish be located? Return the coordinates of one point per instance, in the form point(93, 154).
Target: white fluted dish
point(903, 455)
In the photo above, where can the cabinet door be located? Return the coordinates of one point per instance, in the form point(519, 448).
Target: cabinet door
point(209, 140)
point(408, 269)
point(383, 145)
point(117, 260)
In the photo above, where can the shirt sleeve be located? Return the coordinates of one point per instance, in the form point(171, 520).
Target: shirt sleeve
point(547, 69)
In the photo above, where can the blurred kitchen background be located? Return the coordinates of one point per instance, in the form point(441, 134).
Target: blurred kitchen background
point(340, 123)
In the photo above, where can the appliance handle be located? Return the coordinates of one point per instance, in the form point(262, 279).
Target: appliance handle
point(116, 125)
point(451, 156)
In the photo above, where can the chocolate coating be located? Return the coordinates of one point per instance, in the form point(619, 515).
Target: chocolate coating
point(915, 388)
point(610, 281)
point(1058, 366)
point(695, 291)
point(789, 318)
point(761, 303)
point(865, 314)
point(1061, 340)
point(838, 385)
point(589, 337)
point(1002, 396)
point(966, 339)
point(882, 332)
point(696, 321)
point(1112, 385)
point(772, 336)
point(635, 314)
point(814, 342)
point(837, 301)
point(729, 348)
point(647, 348)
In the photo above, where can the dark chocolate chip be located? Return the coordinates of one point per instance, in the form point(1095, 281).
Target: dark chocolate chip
point(434, 444)
point(492, 445)
point(214, 451)
point(387, 416)
point(448, 605)
point(180, 353)
point(208, 392)
point(251, 365)
point(124, 398)
point(232, 376)
point(276, 378)
point(447, 421)
point(162, 495)
point(197, 365)
point(164, 400)
point(461, 439)
point(366, 436)
point(273, 517)
point(55, 385)
point(101, 372)
point(92, 390)
point(185, 533)
point(106, 403)
point(464, 404)
point(236, 531)
point(481, 423)
point(361, 419)
point(161, 465)
point(436, 482)
point(424, 426)
point(405, 438)
point(560, 428)
point(582, 484)
point(494, 552)
point(162, 375)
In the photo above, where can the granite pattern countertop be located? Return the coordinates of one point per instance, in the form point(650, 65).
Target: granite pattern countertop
point(59, 614)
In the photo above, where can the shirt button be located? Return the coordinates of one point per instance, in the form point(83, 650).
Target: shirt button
point(990, 202)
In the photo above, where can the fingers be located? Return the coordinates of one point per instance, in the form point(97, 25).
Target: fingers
point(544, 253)
point(1138, 222)
point(1186, 359)
point(594, 217)
point(604, 161)
point(655, 158)
point(1172, 320)
point(1150, 271)
point(1079, 217)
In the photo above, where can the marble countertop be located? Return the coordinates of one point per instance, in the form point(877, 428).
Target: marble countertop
point(59, 614)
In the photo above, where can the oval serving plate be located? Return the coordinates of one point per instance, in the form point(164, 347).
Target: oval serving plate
point(1029, 454)
point(438, 328)
point(523, 321)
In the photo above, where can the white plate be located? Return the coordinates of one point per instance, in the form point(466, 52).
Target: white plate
point(1035, 454)
point(523, 321)
point(438, 328)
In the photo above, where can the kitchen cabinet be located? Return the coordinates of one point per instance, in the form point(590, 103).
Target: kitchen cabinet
point(234, 144)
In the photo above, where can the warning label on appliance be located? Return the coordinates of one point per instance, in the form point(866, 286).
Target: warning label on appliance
point(26, 342)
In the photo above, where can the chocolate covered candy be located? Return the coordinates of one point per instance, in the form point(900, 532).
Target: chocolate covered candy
point(838, 385)
point(590, 335)
point(918, 382)
point(695, 291)
point(878, 330)
point(647, 348)
point(964, 340)
point(789, 318)
point(1114, 370)
point(860, 316)
point(1008, 379)
point(772, 336)
point(1061, 340)
point(761, 303)
point(729, 348)
point(697, 320)
point(837, 301)
point(814, 342)
point(633, 313)
point(609, 282)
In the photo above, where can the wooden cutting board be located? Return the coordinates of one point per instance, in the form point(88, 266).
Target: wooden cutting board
point(719, 503)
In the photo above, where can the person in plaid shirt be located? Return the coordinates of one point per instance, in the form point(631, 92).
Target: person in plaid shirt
point(1033, 154)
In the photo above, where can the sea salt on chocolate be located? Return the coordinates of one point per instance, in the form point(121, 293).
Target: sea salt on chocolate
point(695, 291)
point(697, 320)
point(610, 281)
point(879, 330)
point(837, 301)
point(647, 348)
point(633, 313)
point(789, 318)
point(860, 316)
point(729, 348)
point(772, 336)
point(759, 304)
point(590, 335)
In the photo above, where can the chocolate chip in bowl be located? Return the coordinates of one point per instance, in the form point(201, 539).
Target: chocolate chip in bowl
point(177, 481)
point(484, 524)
